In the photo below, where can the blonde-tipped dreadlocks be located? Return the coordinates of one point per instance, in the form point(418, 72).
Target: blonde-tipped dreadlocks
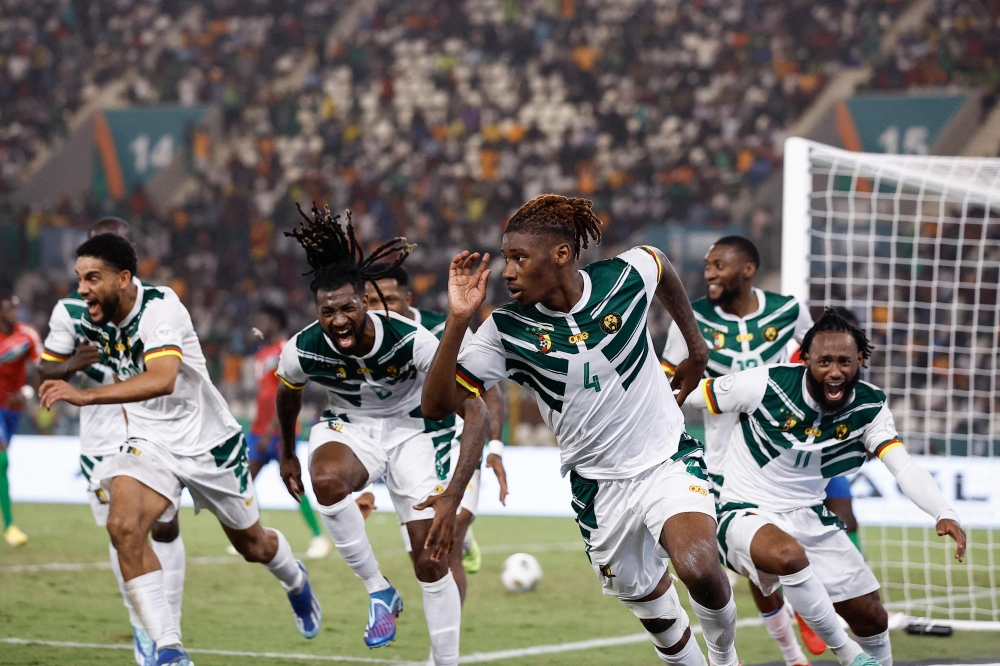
point(336, 257)
point(571, 219)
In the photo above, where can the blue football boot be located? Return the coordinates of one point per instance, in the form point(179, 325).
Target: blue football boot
point(144, 649)
point(383, 609)
point(172, 657)
point(308, 613)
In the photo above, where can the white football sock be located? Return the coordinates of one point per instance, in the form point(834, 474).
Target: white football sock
point(689, 655)
point(150, 603)
point(877, 646)
point(346, 526)
point(719, 630)
point(779, 625)
point(443, 609)
point(810, 599)
point(133, 617)
point(285, 567)
point(172, 560)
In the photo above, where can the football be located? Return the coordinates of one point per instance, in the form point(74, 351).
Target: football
point(521, 573)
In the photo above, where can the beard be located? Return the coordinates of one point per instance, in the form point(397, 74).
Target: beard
point(816, 389)
point(109, 306)
point(727, 296)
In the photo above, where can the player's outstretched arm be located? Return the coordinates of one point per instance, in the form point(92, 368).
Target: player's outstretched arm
point(85, 356)
point(494, 400)
point(441, 394)
point(917, 484)
point(670, 291)
point(158, 380)
point(288, 404)
point(474, 433)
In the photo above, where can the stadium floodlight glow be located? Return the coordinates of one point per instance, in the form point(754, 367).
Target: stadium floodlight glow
point(911, 245)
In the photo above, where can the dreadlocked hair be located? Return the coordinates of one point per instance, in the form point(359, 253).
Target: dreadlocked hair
point(834, 321)
point(571, 219)
point(337, 258)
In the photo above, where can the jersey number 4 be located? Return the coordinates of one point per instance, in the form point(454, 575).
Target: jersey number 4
point(590, 382)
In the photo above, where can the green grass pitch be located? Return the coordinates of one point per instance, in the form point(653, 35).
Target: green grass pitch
point(231, 605)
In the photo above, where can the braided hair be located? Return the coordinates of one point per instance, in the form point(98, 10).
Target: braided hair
point(337, 258)
point(834, 321)
point(568, 218)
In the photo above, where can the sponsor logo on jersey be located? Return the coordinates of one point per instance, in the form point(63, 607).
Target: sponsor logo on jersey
point(579, 337)
point(815, 432)
point(102, 496)
point(719, 340)
point(438, 489)
point(248, 502)
point(725, 384)
point(789, 424)
point(698, 489)
point(771, 333)
point(842, 431)
point(363, 371)
point(606, 570)
point(544, 343)
point(744, 337)
point(611, 322)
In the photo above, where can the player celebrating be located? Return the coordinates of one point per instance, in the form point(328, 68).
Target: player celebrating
point(67, 355)
point(744, 327)
point(181, 434)
point(264, 442)
point(372, 365)
point(577, 340)
point(20, 349)
point(395, 287)
point(799, 426)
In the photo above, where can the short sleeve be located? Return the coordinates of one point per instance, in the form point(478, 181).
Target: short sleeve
point(675, 351)
point(645, 260)
point(425, 344)
point(290, 370)
point(881, 436)
point(803, 323)
point(481, 363)
point(740, 392)
point(60, 343)
point(162, 329)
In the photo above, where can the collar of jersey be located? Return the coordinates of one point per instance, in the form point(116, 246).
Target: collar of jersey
point(580, 304)
point(378, 338)
point(815, 406)
point(135, 307)
point(416, 315)
point(756, 313)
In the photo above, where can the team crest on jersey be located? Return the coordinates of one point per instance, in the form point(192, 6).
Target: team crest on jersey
point(719, 340)
point(606, 570)
point(789, 424)
point(134, 451)
point(544, 343)
point(336, 427)
point(842, 432)
point(340, 372)
point(611, 322)
point(102, 496)
point(770, 333)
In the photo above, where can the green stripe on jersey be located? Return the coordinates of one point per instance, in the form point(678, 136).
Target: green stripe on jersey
point(433, 321)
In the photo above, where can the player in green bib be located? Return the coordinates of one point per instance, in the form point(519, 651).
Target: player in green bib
point(799, 426)
point(576, 339)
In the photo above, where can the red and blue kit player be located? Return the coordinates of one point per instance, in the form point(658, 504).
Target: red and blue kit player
point(263, 441)
point(20, 350)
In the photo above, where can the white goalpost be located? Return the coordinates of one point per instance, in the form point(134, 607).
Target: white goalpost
point(911, 245)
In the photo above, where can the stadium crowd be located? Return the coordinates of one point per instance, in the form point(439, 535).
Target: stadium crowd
point(435, 121)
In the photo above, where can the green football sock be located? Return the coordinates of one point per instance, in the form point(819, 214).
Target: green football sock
point(856, 540)
point(8, 518)
point(307, 512)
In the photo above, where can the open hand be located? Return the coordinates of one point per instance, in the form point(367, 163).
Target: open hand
point(467, 288)
point(442, 532)
point(950, 527)
point(495, 462)
point(53, 390)
point(291, 474)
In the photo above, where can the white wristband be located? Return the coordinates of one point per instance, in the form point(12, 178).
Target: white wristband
point(495, 448)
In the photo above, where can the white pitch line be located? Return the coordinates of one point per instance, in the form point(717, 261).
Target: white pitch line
point(533, 547)
point(475, 658)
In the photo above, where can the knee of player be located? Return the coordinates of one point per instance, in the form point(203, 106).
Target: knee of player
point(428, 571)
point(790, 557)
point(872, 620)
point(124, 529)
point(329, 486)
point(701, 575)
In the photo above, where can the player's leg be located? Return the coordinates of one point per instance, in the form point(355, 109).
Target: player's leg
point(667, 624)
point(462, 523)
point(870, 623)
point(778, 621)
point(8, 426)
point(168, 544)
point(472, 559)
point(319, 545)
point(441, 596)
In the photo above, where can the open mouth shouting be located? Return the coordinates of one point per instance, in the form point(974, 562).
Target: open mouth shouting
point(834, 392)
point(344, 336)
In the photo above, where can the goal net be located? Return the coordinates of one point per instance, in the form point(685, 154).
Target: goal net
point(911, 246)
